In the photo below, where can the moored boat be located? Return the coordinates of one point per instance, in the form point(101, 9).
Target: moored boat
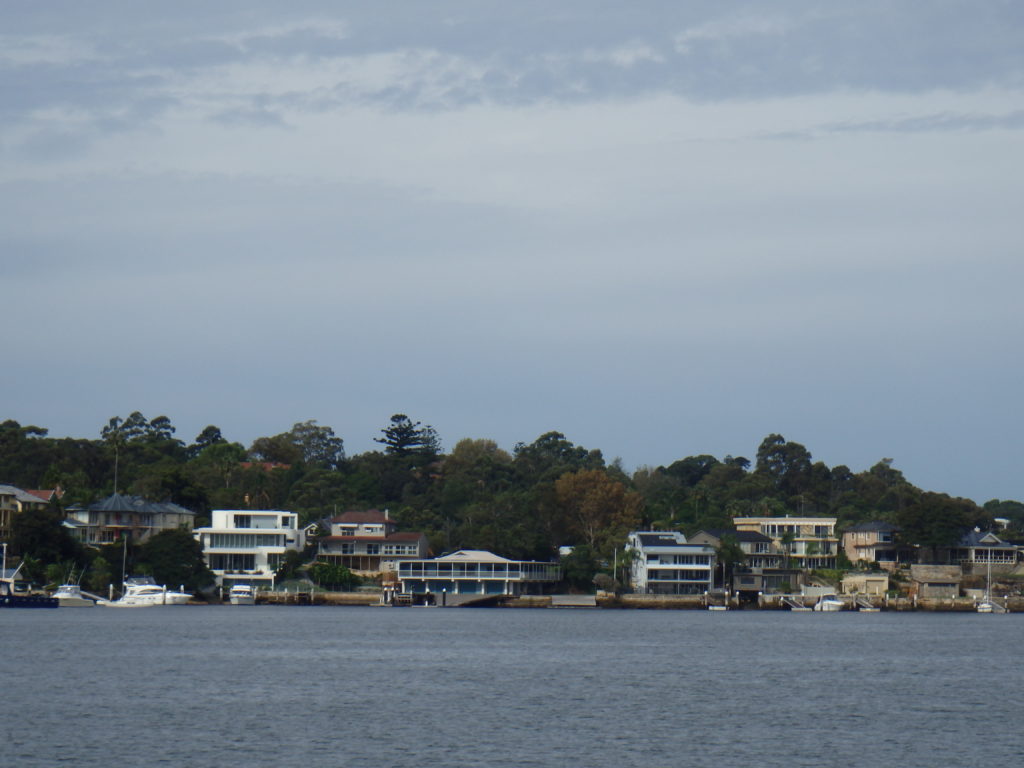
point(242, 594)
point(829, 604)
point(71, 596)
point(142, 591)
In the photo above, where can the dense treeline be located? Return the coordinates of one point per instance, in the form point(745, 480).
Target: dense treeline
point(523, 504)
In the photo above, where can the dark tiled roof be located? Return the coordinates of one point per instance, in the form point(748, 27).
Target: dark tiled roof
point(117, 502)
point(659, 540)
point(974, 539)
point(367, 516)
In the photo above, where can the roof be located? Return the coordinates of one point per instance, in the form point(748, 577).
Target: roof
point(874, 525)
point(984, 539)
point(751, 536)
point(473, 555)
point(365, 516)
point(117, 502)
point(23, 496)
point(941, 574)
point(649, 539)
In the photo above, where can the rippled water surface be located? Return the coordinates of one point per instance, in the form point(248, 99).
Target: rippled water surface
point(361, 687)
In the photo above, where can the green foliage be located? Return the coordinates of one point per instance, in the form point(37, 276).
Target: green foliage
point(41, 535)
point(333, 576)
point(405, 437)
point(579, 568)
point(174, 558)
point(523, 504)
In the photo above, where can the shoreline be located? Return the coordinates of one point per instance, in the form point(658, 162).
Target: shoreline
point(610, 601)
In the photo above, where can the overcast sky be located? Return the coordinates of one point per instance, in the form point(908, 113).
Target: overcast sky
point(663, 229)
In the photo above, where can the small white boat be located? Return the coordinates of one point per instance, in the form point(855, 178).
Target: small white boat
point(986, 606)
point(242, 594)
point(142, 591)
point(71, 596)
point(828, 604)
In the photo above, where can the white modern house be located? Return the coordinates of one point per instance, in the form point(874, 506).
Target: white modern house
point(248, 546)
point(665, 564)
point(475, 572)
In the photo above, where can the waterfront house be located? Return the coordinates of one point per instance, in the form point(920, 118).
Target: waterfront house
point(762, 567)
point(664, 563)
point(248, 546)
point(369, 543)
point(14, 500)
point(759, 551)
point(120, 516)
point(475, 572)
point(935, 581)
point(875, 542)
point(979, 550)
point(805, 542)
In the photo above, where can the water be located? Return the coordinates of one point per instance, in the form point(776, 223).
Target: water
point(362, 687)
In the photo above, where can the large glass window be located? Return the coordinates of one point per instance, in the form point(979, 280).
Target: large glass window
point(245, 540)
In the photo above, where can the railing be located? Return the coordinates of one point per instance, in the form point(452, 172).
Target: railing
point(406, 572)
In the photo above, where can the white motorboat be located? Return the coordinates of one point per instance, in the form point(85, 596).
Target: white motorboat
point(828, 604)
point(141, 591)
point(242, 594)
point(71, 596)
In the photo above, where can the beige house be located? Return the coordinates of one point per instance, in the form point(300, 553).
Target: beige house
point(14, 500)
point(120, 517)
point(809, 542)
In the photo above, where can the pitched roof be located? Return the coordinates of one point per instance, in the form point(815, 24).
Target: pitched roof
point(365, 516)
point(117, 502)
point(25, 497)
point(473, 555)
point(984, 539)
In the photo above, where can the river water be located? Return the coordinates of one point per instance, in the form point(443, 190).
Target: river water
point(372, 687)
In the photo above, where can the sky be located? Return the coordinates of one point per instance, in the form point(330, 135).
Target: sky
point(663, 229)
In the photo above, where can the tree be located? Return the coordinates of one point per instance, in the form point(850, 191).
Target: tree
point(729, 554)
point(40, 533)
point(174, 557)
point(787, 464)
point(405, 437)
point(305, 442)
point(209, 436)
point(600, 511)
point(579, 567)
point(319, 445)
point(333, 576)
point(786, 540)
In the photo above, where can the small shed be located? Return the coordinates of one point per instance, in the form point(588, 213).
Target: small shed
point(873, 583)
point(942, 581)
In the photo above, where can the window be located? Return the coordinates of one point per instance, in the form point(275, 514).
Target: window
point(243, 521)
point(373, 549)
